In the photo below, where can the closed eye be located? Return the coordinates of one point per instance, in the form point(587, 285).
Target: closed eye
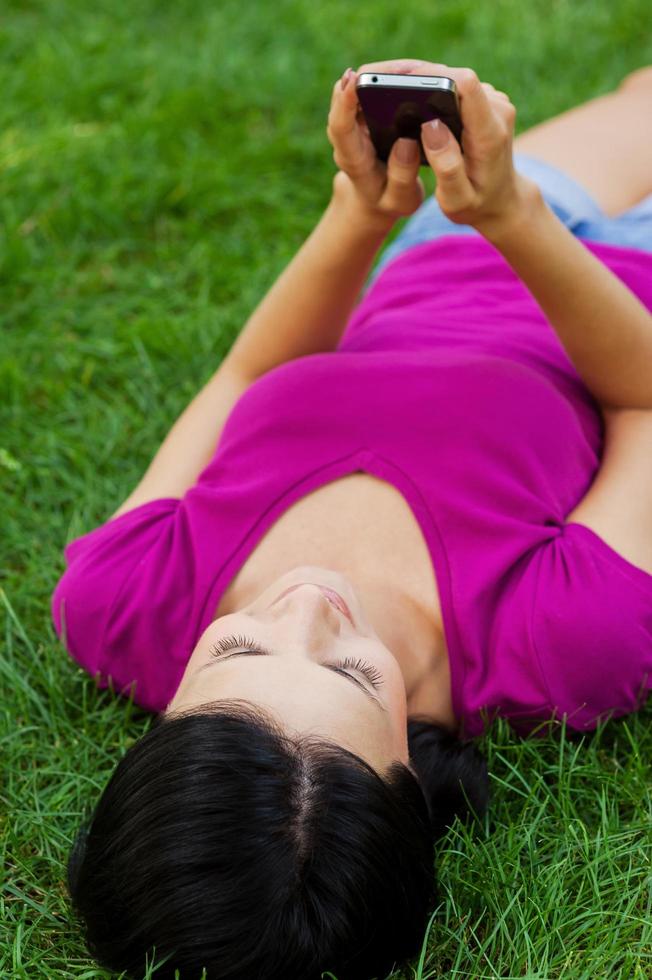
point(260, 652)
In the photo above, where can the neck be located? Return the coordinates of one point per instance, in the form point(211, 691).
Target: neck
point(413, 631)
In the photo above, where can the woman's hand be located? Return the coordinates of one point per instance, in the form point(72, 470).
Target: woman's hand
point(380, 192)
point(480, 188)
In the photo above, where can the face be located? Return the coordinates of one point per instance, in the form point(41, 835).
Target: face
point(305, 652)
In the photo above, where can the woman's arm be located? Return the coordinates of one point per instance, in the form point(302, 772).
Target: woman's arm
point(304, 312)
point(605, 329)
point(309, 305)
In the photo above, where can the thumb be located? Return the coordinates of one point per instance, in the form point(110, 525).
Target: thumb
point(445, 157)
point(403, 161)
point(404, 191)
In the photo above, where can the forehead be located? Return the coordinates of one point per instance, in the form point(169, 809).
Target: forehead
point(303, 697)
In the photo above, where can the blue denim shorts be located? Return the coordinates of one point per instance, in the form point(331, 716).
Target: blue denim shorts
point(568, 199)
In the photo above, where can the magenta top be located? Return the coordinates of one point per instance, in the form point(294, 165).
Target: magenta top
point(449, 384)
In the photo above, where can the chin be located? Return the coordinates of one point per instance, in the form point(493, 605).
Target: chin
point(316, 573)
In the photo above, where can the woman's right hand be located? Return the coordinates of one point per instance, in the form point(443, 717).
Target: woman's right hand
point(480, 188)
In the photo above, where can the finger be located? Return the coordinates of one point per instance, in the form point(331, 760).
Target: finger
point(505, 110)
point(348, 136)
point(447, 162)
point(475, 108)
point(342, 97)
point(402, 175)
point(496, 94)
point(404, 66)
point(492, 92)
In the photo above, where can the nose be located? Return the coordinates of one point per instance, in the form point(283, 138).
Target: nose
point(313, 616)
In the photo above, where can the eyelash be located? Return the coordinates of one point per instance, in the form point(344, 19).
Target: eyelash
point(361, 666)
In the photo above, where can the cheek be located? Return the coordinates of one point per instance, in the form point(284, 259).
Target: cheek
point(396, 700)
point(199, 656)
point(401, 745)
point(395, 682)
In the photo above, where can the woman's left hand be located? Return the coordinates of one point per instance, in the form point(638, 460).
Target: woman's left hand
point(383, 192)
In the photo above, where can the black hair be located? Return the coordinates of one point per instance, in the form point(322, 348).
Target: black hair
point(222, 843)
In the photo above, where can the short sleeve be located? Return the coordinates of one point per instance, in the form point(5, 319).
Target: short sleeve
point(123, 606)
point(591, 627)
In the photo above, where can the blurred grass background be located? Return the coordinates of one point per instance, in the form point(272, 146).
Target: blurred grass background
point(159, 165)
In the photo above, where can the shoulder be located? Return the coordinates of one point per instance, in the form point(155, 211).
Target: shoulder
point(118, 607)
point(591, 626)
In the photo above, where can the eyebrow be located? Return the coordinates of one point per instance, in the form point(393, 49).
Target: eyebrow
point(270, 653)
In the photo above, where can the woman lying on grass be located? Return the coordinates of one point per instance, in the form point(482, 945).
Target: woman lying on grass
point(372, 531)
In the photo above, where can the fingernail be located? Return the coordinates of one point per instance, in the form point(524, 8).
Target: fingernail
point(434, 134)
point(346, 77)
point(406, 150)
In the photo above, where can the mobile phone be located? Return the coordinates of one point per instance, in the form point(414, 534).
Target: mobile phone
point(397, 105)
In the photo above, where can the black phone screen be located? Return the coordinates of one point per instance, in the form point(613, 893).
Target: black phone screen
point(394, 112)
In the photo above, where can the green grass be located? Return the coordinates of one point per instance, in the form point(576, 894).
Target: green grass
point(159, 165)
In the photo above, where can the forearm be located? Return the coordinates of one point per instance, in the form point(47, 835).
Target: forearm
point(605, 330)
point(307, 308)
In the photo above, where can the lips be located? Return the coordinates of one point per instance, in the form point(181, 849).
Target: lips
point(336, 599)
point(333, 597)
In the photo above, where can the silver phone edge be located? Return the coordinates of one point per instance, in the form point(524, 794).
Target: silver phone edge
point(405, 81)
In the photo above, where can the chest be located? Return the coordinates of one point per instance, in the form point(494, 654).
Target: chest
point(358, 524)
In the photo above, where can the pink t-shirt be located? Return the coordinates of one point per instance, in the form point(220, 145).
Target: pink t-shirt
point(449, 384)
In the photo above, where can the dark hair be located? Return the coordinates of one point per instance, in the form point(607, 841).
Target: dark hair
point(221, 842)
